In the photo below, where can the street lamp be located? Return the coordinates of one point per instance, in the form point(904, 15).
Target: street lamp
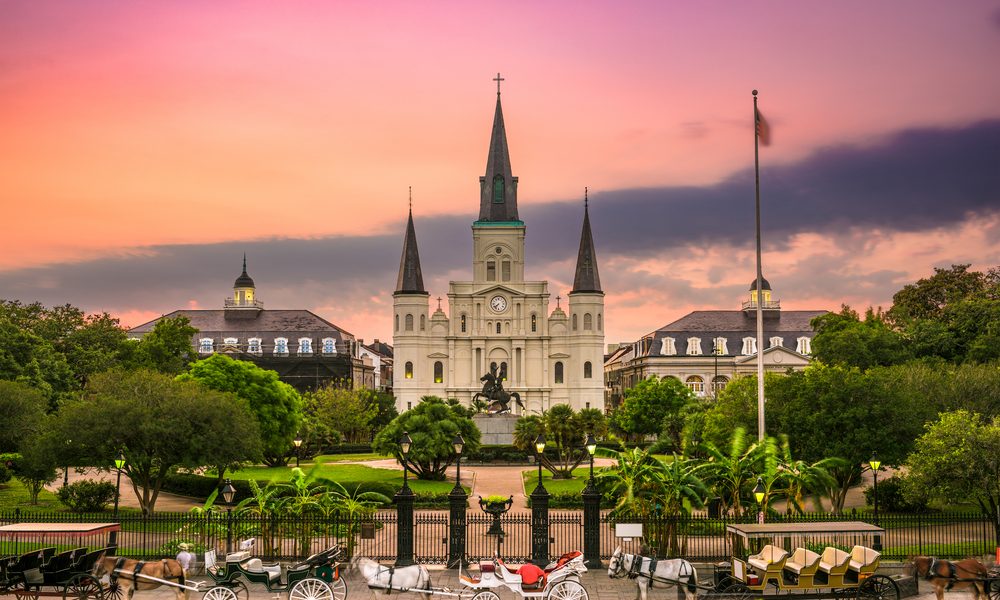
point(539, 449)
point(228, 493)
point(457, 504)
point(404, 447)
point(591, 512)
point(66, 471)
point(404, 510)
point(540, 512)
point(119, 464)
point(458, 444)
point(297, 442)
point(591, 445)
point(759, 493)
point(874, 463)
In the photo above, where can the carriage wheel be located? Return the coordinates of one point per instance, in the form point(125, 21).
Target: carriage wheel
point(487, 595)
point(568, 590)
point(732, 585)
point(878, 587)
point(220, 592)
point(83, 587)
point(339, 588)
point(310, 588)
point(993, 589)
point(240, 589)
point(114, 591)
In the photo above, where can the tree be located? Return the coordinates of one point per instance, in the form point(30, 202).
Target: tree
point(647, 404)
point(23, 408)
point(167, 348)
point(159, 423)
point(565, 432)
point(735, 407)
point(928, 298)
point(957, 459)
point(842, 339)
point(432, 425)
point(348, 412)
point(385, 408)
point(277, 406)
point(732, 469)
point(30, 359)
point(36, 466)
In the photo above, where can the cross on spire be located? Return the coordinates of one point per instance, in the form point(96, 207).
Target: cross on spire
point(439, 302)
point(411, 198)
point(557, 301)
point(498, 79)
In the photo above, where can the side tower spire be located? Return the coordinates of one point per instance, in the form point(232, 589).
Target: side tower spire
point(498, 188)
point(587, 279)
point(410, 280)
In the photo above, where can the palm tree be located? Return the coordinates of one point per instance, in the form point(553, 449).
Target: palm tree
point(680, 490)
point(802, 478)
point(732, 471)
point(634, 481)
point(350, 508)
point(261, 503)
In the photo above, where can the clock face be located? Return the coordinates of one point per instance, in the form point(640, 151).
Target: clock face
point(498, 303)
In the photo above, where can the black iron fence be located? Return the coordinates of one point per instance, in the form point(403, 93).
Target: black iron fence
point(696, 537)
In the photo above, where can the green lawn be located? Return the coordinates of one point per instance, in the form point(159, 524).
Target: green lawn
point(328, 458)
point(575, 485)
point(14, 495)
point(341, 472)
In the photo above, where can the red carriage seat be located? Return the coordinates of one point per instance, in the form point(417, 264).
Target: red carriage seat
point(532, 576)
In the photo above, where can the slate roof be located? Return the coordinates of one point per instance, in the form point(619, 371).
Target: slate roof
point(410, 279)
point(268, 324)
point(734, 325)
point(380, 347)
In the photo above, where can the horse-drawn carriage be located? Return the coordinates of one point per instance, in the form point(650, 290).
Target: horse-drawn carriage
point(60, 570)
point(315, 578)
point(807, 560)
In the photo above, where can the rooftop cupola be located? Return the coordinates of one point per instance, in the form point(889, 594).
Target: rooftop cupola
point(498, 188)
point(244, 298)
point(767, 303)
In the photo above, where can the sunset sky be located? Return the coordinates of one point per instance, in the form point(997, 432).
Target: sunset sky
point(145, 146)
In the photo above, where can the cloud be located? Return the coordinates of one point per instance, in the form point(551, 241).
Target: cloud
point(664, 247)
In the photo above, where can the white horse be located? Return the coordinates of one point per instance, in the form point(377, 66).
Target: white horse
point(664, 572)
point(384, 580)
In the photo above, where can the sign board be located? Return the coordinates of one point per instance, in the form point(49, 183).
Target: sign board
point(367, 530)
point(628, 530)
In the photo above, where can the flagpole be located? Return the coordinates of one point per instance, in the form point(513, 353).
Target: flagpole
point(760, 278)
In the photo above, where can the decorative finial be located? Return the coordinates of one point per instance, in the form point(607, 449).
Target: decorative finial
point(498, 79)
point(755, 92)
point(244, 262)
point(411, 198)
point(586, 200)
point(439, 302)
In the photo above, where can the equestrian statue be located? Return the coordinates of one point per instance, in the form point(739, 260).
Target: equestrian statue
point(497, 398)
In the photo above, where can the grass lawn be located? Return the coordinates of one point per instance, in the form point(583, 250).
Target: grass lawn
point(341, 472)
point(575, 485)
point(328, 458)
point(13, 495)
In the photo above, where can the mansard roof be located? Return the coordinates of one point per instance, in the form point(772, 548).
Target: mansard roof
point(733, 325)
point(267, 323)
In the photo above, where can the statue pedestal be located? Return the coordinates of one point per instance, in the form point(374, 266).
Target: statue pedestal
point(495, 430)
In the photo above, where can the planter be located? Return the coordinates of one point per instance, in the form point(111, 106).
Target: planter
point(495, 508)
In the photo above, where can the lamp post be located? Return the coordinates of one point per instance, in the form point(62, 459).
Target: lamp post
point(119, 465)
point(759, 493)
point(228, 493)
point(404, 510)
point(540, 512)
point(458, 502)
point(66, 470)
point(591, 513)
point(297, 442)
point(874, 463)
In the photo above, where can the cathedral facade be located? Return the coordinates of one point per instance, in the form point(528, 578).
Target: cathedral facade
point(498, 321)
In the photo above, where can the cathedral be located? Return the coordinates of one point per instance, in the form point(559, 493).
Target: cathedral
point(498, 322)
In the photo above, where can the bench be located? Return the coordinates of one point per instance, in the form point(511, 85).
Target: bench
point(803, 564)
point(863, 560)
point(833, 563)
point(770, 558)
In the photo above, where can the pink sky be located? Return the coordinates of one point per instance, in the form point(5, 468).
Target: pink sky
point(133, 124)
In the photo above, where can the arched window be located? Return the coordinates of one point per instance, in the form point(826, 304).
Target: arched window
point(409, 322)
point(206, 346)
point(503, 371)
point(696, 384)
point(719, 382)
point(588, 370)
point(559, 372)
point(498, 326)
point(463, 323)
point(505, 270)
point(534, 323)
point(574, 321)
point(749, 346)
point(423, 322)
point(408, 370)
point(600, 322)
point(498, 191)
point(694, 345)
point(438, 372)
point(397, 322)
point(588, 322)
point(491, 270)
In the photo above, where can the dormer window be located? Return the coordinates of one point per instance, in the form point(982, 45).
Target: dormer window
point(668, 347)
point(329, 346)
point(776, 342)
point(253, 346)
point(230, 344)
point(498, 191)
point(719, 345)
point(281, 346)
point(803, 345)
point(694, 346)
point(749, 346)
point(206, 346)
point(305, 346)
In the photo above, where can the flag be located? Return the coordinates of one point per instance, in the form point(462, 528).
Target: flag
point(763, 130)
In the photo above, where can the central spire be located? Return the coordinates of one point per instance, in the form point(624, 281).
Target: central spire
point(498, 188)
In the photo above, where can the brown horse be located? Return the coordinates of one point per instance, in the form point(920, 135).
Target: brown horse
point(123, 571)
point(947, 574)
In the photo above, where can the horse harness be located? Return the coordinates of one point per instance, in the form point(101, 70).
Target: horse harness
point(635, 570)
point(932, 573)
point(137, 570)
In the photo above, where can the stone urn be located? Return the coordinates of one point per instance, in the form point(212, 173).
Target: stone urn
point(496, 506)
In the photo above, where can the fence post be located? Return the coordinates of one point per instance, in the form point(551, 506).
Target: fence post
point(540, 525)
point(591, 526)
point(404, 525)
point(458, 502)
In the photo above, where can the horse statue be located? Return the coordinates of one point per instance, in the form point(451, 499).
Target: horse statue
point(497, 398)
point(384, 580)
point(647, 571)
point(128, 575)
point(945, 575)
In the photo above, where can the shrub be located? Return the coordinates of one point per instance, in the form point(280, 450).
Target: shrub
point(87, 495)
point(5, 474)
point(891, 498)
